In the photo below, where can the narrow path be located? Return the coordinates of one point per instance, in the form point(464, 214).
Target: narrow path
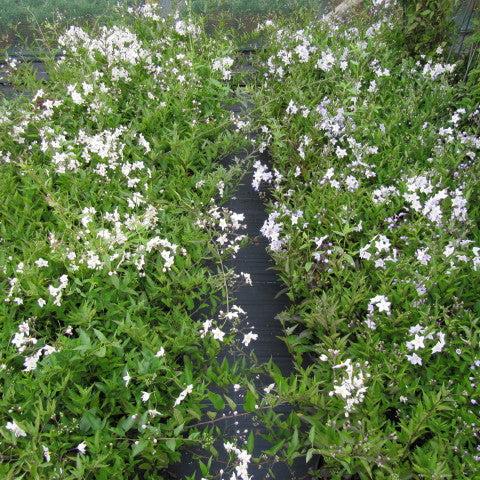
point(262, 304)
point(259, 301)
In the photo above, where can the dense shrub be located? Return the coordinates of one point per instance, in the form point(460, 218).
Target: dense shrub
point(374, 229)
point(110, 243)
point(113, 237)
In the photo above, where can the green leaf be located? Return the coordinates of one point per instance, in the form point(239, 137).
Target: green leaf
point(178, 430)
point(127, 423)
point(171, 444)
point(101, 351)
point(217, 400)
point(250, 402)
point(250, 442)
point(231, 403)
point(100, 335)
point(310, 453)
point(294, 441)
point(90, 422)
point(139, 447)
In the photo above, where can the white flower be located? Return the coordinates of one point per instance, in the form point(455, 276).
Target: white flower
point(183, 395)
point(382, 244)
point(223, 65)
point(41, 302)
point(30, 363)
point(144, 143)
point(82, 447)
point(261, 173)
point(184, 28)
point(218, 334)
point(41, 263)
point(414, 359)
point(46, 453)
point(292, 109)
point(248, 337)
point(326, 62)
point(160, 353)
point(438, 347)
point(145, 396)
point(370, 324)
point(381, 302)
point(243, 459)
point(76, 96)
point(422, 256)
point(364, 253)
point(351, 386)
point(417, 343)
point(341, 152)
point(269, 388)
point(15, 429)
point(416, 329)
point(207, 324)
point(352, 183)
point(383, 305)
point(247, 278)
point(48, 350)
point(127, 378)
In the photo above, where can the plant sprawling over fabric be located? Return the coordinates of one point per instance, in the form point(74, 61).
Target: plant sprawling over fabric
point(110, 241)
point(374, 229)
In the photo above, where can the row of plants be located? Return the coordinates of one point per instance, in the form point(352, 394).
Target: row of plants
point(374, 229)
point(112, 243)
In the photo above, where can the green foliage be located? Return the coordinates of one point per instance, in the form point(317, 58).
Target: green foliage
point(352, 123)
point(428, 24)
point(472, 62)
point(106, 267)
point(111, 253)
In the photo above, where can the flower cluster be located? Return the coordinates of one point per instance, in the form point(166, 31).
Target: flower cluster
point(22, 340)
point(418, 337)
point(243, 459)
point(351, 386)
point(225, 226)
point(223, 65)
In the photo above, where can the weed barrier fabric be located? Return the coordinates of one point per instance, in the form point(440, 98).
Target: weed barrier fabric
point(263, 303)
